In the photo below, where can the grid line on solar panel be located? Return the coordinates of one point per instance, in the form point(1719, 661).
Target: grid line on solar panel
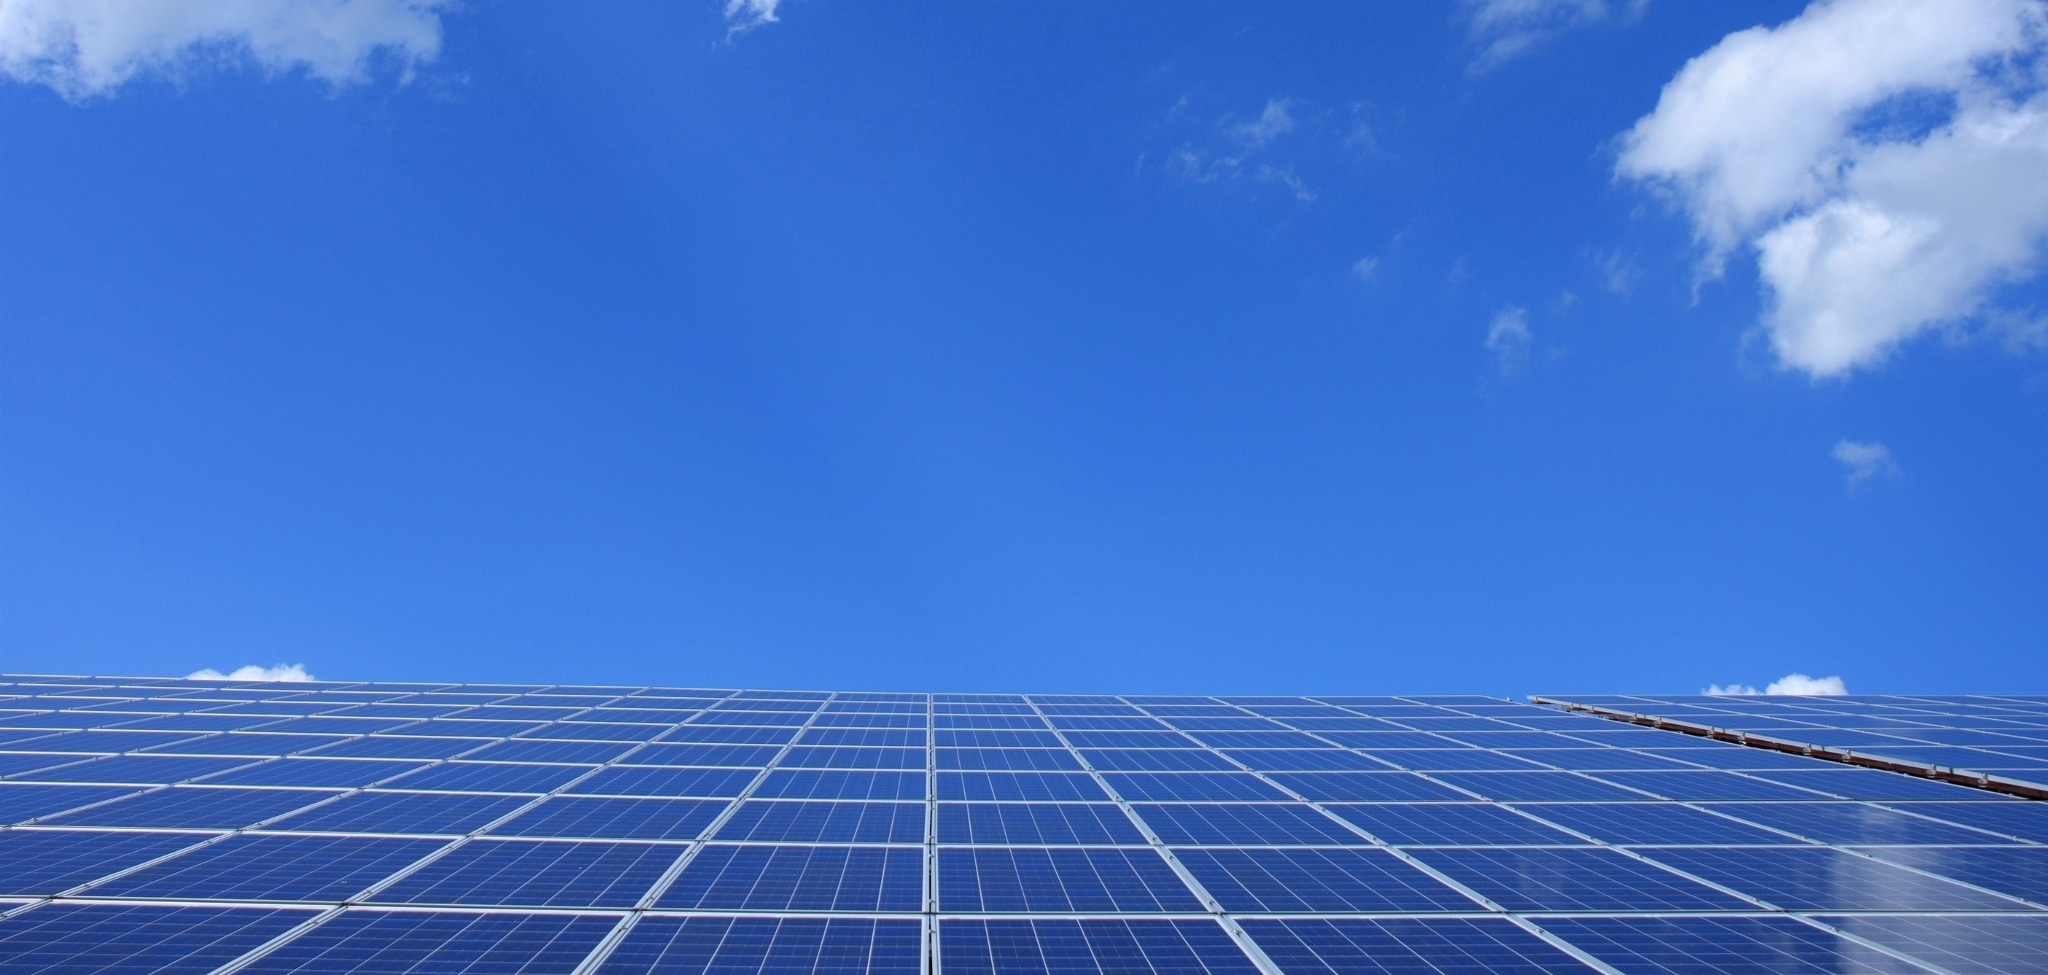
point(78, 939)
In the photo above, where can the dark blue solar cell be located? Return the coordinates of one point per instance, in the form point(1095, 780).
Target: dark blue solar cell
point(1575, 879)
point(1368, 787)
point(1374, 741)
point(535, 873)
point(1597, 759)
point(766, 946)
point(42, 862)
point(1730, 945)
point(707, 783)
point(1536, 786)
point(255, 744)
point(784, 821)
point(1196, 786)
point(15, 763)
point(2021, 871)
point(1704, 786)
point(616, 819)
point(73, 939)
point(1258, 739)
point(1105, 947)
point(1156, 760)
point(334, 773)
point(1244, 824)
point(1036, 823)
point(27, 803)
point(402, 812)
point(1016, 722)
point(1059, 879)
point(1648, 823)
point(489, 777)
point(458, 728)
point(730, 756)
point(874, 737)
point(1020, 786)
point(407, 942)
point(1451, 824)
point(257, 867)
point(195, 807)
point(1856, 783)
point(1817, 878)
point(714, 734)
point(135, 770)
point(1460, 759)
point(786, 719)
point(1432, 946)
point(869, 720)
point(1130, 739)
point(1012, 759)
point(596, 731)
point(996, 739)
point(2006, 945)
point(836, 784)
point(2025, 820)
point(1851, 822)
point(1318, 880)
point(566, 752)
point(801, 878)
point(105, 742)
point(1306, 760)
point(804, 756)
point(383, 746)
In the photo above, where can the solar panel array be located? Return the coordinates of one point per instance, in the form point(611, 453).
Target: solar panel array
point(187, 827)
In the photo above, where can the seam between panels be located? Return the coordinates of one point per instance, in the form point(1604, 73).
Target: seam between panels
point(265, 949)
point(1236, 931)
point(928, 945)
point(602, 951)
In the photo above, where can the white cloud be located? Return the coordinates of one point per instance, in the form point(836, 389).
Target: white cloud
point(1505, 29)
point(1510, 340)
point(1366, 269)
point(1883, 157)
point(1275, 121)
point(1865, 460)
point(1792, 684)
point(742, 16)
point(83, 48)
point(281, 672)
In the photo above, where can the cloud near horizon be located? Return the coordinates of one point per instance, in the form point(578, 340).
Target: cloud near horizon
point(1790, 684)
point(1882, 158)
point(286, 673)
point(87, 48)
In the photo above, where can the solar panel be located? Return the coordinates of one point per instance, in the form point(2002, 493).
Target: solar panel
point(186, 826)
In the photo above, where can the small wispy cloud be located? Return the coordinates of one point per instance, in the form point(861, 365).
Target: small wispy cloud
point(1510, 340)
point(1276, 120)
point(1366, 269)
point(1865, 460)
point(1798, 685)
point(742, 16)
point(280, 672)
point(1506, 29)
point(88, 48)
point(1262, 148)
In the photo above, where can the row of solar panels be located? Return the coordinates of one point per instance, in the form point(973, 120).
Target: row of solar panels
point(246, 867)
point(198, 940)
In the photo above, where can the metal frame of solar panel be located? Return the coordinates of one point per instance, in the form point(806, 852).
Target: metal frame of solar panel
point(220, 827)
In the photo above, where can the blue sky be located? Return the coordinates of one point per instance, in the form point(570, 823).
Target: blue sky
point(1474, 346)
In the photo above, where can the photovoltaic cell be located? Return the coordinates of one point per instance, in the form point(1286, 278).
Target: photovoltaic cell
point(42, 862)
point(1821, 879)
point(800, 878)
point(2011, 944)
point(1059, 880)
point(1733, 945)
point(23, 803)
point(104, 940)
point(253, 867)
point(1242, 824)
point(402, 812)
point(1062, 824)
point(825, 822)
point(1446, 946)
point(621, 819)
point(1020, 786)
point(1097, 947)
point(1575, 880)
point(767, 946)
point(396, 942)
point(1451, 824)
point(1286, 881)
point(194, 807)
point(536, 874)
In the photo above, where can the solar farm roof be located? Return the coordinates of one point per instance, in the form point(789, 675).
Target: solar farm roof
point(176, 826)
